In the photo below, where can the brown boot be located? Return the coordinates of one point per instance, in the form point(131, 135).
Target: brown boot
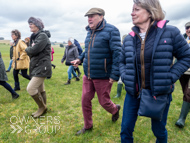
point(42, 107)
point(43, 94)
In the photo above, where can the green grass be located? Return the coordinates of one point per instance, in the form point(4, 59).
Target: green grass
point(65, 114)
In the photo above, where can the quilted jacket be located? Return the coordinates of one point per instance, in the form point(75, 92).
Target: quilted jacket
point(101, 56)
point(168, 43)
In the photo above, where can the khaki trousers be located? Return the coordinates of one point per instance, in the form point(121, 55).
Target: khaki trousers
point(36, 85)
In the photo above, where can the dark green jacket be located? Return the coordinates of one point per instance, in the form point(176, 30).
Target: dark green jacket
point(3, 75)
point(40, 54)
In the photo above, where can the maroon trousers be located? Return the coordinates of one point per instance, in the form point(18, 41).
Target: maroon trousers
point(184, 80)
point(102, 87)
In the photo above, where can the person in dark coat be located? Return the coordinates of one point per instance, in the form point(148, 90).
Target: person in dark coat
point(71, 53)
point(11, 56)
point(146, 63)
point(185, 84)
point(100, 63)
point(3, 79)
point(39, 52)
point(76, 69)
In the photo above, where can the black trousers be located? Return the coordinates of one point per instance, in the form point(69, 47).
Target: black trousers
point(24, 74)
point(184, 80)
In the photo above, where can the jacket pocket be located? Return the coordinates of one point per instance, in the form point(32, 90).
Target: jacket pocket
point(105, 67)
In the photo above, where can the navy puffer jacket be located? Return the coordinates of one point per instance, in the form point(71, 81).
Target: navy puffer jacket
point(101, 56)
point(168, 43)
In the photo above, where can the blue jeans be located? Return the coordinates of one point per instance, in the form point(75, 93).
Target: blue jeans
point(130, 109)
point(10, 64)
point(7, 86)
point(71, 71)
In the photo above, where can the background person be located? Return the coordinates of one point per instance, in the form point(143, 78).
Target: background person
point(11, 56)
point(27, 41)
point(185, 84)
point(39, 51)
point(3, 79)
point(120, 83)
point(71, 53)
point(76, 69)
point(150, 46)
point(100, 64)
point(52, 52)
point(20, 58)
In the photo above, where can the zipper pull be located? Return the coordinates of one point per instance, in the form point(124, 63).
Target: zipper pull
point(154, 97)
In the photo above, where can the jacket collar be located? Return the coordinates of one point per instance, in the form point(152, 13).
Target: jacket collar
point(99, 27)
point(156, 24)
point(15, 42)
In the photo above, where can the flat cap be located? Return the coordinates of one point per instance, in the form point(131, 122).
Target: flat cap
point(187, 24)
point(95, 11)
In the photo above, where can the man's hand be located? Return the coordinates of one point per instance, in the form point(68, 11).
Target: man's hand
point(76, 62)
point(112, 81)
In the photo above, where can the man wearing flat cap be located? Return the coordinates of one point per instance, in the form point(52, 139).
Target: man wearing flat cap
point(185, 84)
point(100, 63)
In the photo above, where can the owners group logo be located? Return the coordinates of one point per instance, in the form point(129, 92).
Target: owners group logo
point(44, 124)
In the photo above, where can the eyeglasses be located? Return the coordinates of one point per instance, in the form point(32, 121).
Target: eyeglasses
point(187, 27)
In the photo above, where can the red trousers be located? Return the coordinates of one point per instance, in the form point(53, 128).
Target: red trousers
point(102, 87)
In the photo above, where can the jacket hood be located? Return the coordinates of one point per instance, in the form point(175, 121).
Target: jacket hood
point(33, 36)
point(47, 33)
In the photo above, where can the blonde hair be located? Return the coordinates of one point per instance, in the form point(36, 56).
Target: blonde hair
point(153, 7)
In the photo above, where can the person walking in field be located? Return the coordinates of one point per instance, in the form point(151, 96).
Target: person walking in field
point(11, 56)
point(71, 53)
point(20, 58)
point(39, 52)
point(3, 79)
point(185, 84)
point(52, 52)
point(76, 69)
point(146, 64)
point(100, 64)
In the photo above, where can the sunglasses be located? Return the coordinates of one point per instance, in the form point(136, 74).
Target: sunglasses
point(187, 27)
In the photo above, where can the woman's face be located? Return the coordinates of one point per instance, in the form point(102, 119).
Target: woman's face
point(33, 28)
point(69, 43)
point(14, 37)
point(140, 16)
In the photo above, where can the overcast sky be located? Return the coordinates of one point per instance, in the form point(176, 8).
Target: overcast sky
point(65, 18)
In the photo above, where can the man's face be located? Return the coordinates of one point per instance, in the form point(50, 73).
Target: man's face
point(93, 20)
point(188, 31)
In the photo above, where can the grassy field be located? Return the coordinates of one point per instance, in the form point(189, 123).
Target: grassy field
point(64, 116)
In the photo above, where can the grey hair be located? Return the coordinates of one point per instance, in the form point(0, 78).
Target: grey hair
point(153, 7)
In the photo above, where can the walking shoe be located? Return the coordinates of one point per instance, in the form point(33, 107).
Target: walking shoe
point(15, 96)
point(83, 130)
point(79, 74)
point(77, 79)
point(68, 82)
point(116, 115)
point(16, 88)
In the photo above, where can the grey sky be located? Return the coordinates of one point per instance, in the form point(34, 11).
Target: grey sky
point(65, 18)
